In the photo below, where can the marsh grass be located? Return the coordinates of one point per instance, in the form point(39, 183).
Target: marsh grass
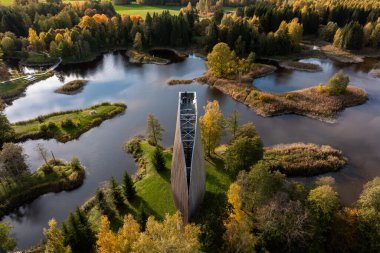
point(301, 159)
point(312, 102)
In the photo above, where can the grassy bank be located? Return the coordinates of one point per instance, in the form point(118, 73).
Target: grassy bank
point(145, 58)
point(301, 159)
point(301, 66)
point(72, 87)
point(12, 89)
point(58, 176)
point(68, 125)
point(340, 55)
point(308, 102)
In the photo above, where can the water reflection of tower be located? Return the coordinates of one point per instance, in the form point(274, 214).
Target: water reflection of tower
point(187, 174)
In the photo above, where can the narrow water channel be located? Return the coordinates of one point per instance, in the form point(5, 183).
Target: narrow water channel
point(144, 90)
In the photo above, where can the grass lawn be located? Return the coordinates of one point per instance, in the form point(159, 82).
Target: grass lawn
point(68, 125)
point(155, 189)
point(6, 2)
point(58, 177)
point(142, 10)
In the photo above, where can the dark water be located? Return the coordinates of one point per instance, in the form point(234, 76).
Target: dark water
point(144, 90)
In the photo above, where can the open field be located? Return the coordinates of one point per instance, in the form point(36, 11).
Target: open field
point(142, 10)
point(58, 176)
point(136, 9)
point(68, 125)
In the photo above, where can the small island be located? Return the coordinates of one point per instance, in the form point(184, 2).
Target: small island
point(299, 159)
point(322, 102)
point(67, 125)
point(53, 176)
point(72, 87)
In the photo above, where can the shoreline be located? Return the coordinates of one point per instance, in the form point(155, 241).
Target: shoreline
point(65, 178)
point(64, 129)
point(305, 102)
point(20, 92)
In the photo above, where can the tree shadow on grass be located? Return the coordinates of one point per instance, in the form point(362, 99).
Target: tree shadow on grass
point(165, 174)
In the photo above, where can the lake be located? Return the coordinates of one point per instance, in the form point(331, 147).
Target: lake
point(144, 90)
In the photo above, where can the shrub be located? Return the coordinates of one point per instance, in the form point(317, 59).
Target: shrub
point(246, 130)
point(338, 83)
point(290, 96)
point(96, 121)
point(133, 147)
point(51, 125)
point(266, 97)
point(44, 128)
point(243, 153)
point(75, 164)
point(67, 123)
point(40, 119)
point(321, 88)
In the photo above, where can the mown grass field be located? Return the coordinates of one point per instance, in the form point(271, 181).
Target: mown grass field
point(142, 10)
point(52, 125)
point(155, 188)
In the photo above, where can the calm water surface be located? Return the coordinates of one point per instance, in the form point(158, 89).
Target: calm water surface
point(144, 90)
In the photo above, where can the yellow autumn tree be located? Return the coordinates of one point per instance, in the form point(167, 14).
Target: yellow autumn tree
point(222, 62)
point(211, 126)
point(54, 239)
point(238, 236)
point(295, 30)
point(107, 240)
point(128, 234)
point(169, 236)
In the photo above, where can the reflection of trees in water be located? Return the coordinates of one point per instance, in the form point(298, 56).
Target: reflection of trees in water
point(81, 70)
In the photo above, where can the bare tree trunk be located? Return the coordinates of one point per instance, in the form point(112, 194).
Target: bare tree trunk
point(52, 154)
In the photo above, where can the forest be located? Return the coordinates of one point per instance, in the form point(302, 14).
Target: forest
point(75, 31)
